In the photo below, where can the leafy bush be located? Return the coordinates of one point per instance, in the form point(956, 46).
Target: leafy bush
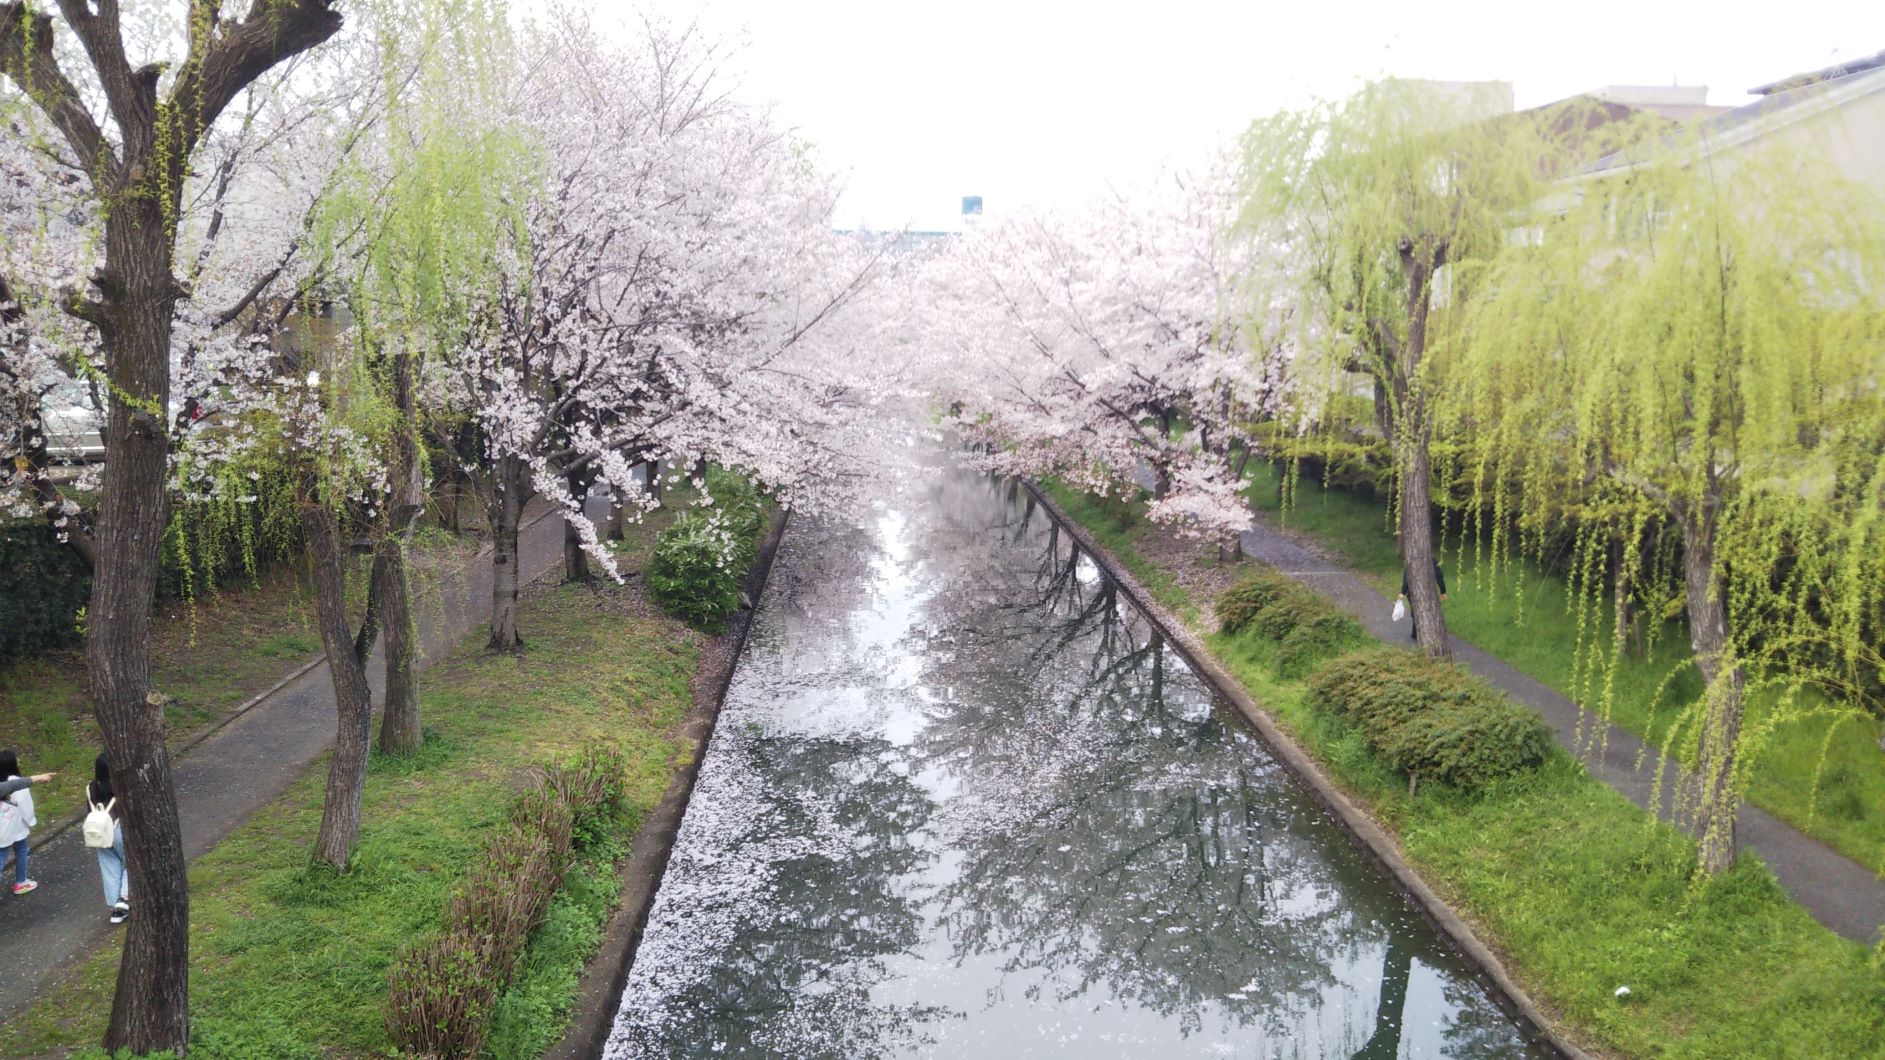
point(1255, 591)
point(701, 560)
point(1430, 719)
point(1317, 639)
point(444, 989)
point(42, 588)
point(1293, 607)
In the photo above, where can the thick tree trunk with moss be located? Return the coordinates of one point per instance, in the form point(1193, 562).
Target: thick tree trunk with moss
point(1717, 795)
point(150, 1010)
point(140, 173)
point(353, 698)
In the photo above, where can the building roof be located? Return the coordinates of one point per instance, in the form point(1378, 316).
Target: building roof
point(1783, 103)
point(1828, 73)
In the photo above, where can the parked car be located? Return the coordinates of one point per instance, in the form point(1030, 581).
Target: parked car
point(75, 427)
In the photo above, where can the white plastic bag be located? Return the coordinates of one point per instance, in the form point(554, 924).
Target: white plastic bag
point(1400, 608)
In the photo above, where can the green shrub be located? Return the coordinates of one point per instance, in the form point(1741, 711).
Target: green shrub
point(1430, 719)
point(1317, 639)
point(42, 588)
point(1294, 606)
point(700, 561)
point(1255, 591)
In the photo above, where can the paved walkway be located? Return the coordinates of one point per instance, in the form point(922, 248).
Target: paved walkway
point(1841, 893)
point(224, 779)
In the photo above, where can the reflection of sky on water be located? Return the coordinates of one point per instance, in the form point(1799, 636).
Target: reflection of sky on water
point(962, 801)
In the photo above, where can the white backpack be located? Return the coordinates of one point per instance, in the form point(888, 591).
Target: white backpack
point(99, 829)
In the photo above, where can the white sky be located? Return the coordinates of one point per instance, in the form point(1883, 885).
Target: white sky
point(1030, 103)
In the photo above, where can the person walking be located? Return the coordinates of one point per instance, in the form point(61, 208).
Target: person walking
point(1413, 624)
point(16, 818)
point(111, 869)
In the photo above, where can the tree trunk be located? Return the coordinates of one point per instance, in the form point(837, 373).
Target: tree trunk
point(1411, 434)
point(507, 510)
point(575, 560)
point(617, 517)
point(353, 699)
point(400, 731)
point(654, 481)
point(1720, 736)
point(150, 1010)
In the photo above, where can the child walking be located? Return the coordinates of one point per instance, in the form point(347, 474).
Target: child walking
point(16, 818)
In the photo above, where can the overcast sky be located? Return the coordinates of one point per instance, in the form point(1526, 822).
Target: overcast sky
point(1025, 103)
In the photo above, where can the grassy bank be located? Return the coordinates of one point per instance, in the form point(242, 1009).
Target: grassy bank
point(288, 962)
point(1584, 894)
point(1823, 775)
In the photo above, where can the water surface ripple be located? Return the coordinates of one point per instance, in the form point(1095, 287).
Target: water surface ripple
point(963, 801)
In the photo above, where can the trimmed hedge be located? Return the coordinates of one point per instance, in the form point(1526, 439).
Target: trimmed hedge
point(443, 989)
point(1430, 719)
point(700, 561)
point(1426, 718)
point(1316, 640)
point(1307, 628)
point(1255, 591)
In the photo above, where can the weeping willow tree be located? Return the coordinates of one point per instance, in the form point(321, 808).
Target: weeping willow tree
point(1383, 211)
point(410, 228)
point(1696, 342)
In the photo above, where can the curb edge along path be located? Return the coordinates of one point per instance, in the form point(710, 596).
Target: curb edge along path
point(1840, 893)
point(1359, 823)
point(235, 769)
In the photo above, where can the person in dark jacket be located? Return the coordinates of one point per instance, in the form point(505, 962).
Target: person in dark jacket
point(1413, 624)
point(111, 859)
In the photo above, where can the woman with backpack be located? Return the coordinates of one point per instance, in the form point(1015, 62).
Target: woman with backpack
point(16, 818)
point(102, 824)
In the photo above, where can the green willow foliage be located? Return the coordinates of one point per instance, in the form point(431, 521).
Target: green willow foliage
point(1681, 358)
point(1384, 213)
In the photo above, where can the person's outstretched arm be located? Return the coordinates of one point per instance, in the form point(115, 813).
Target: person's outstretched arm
point(8, 787)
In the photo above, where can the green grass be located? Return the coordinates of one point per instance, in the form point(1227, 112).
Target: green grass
point(1585, 893)
point(1819, 772)
point(291, 962)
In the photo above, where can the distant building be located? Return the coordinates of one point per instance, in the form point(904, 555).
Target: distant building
point(910, 240)
point(1683, 103)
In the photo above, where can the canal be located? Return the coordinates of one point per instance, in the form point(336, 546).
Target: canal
point(963, 801)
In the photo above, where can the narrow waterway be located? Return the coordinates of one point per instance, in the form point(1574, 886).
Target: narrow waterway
point(962, 801)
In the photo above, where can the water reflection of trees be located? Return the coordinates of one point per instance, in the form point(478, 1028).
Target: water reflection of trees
point(791, 889)
point(1119, 834)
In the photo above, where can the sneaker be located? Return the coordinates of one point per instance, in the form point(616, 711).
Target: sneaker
point(120, 913)
point(24, 885)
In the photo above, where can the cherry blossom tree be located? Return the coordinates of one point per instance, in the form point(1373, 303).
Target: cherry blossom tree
point(1075, 344)
point(672, 292)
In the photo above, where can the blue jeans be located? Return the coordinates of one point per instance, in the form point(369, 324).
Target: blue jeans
point(19, 851)
point(111, 870)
